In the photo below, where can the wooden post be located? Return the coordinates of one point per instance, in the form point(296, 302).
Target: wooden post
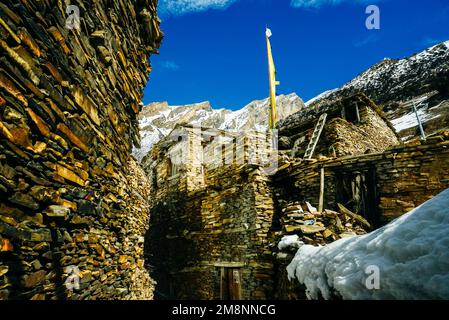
point(235, 284)
point(222, 283)
point(343, 113)
point(357, 112)
point(321, 201)
point(421, 129)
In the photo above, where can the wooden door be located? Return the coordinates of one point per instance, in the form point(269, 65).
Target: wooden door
point(357, 190)
point(230, 284)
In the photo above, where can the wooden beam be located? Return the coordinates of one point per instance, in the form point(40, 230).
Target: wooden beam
point(321, 201)
point(229, 264)
point(222, 280)
point(357, 112)
point(353, 215)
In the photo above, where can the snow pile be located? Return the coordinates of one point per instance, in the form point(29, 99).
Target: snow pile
point(290, 241)
point(411, 254)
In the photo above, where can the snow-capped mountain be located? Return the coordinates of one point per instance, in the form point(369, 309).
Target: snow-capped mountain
point(158, 119)
point(392, 83)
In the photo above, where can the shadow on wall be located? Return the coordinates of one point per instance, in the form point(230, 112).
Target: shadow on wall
point(60, 289)
point(15, 269)
point(166, 251)
point(24, 285)
point(157, 253)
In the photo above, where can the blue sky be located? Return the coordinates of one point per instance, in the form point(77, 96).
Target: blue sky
point(215, 49)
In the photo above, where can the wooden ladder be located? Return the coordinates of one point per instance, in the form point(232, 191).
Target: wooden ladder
point(315, 137)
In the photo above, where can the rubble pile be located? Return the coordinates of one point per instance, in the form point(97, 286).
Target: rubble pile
point(319, 228)
point(301, 223)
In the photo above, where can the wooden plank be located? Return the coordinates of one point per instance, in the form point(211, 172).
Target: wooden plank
point(235, 284)
point(355, 216)
point(321, 200)
point(357, 111)
point(229, 264)
point(222, 283)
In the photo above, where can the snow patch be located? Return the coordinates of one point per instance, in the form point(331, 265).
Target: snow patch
point(290, 241)
point(411, 253)
point(409, 120)
point(320, 96)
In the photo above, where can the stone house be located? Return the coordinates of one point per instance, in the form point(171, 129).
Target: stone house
point(72, 198)
point(354, 125)
point(216, 215)
point(211, 211)
point(188, 152)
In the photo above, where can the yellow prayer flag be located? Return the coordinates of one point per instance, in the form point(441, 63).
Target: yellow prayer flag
point(273, 82)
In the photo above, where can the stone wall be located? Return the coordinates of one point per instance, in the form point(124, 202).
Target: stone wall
point(403, 177)
point(370, 136)
point(226, 224)
point(184, 156)
point(236, 219)
point(68, 190)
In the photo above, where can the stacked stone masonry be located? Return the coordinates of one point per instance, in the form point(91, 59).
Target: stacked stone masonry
point(211, 212)
point(235, 218)
point(354, 126)
point(72, 199)
point(196, 236)
point(399, 179)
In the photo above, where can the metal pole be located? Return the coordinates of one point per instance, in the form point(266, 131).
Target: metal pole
point(423, 134)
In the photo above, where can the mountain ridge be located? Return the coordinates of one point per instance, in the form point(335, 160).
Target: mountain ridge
point(394, 84)
point(157, 119)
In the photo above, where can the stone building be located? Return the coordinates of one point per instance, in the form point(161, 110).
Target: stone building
point(185, 156)
point(354, 125)
point(215, 224)
point(211, 211)
point(378, 186)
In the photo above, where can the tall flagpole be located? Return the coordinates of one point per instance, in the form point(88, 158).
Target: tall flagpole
point(272, 81)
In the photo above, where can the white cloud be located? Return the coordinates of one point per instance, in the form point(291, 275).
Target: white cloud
point(180, 7)
point(319, 3)
point(170, 65)
point(373, 38)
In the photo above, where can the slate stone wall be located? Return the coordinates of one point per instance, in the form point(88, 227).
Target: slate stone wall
point(70, 204)
point(405, 176)
point(225, 224)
